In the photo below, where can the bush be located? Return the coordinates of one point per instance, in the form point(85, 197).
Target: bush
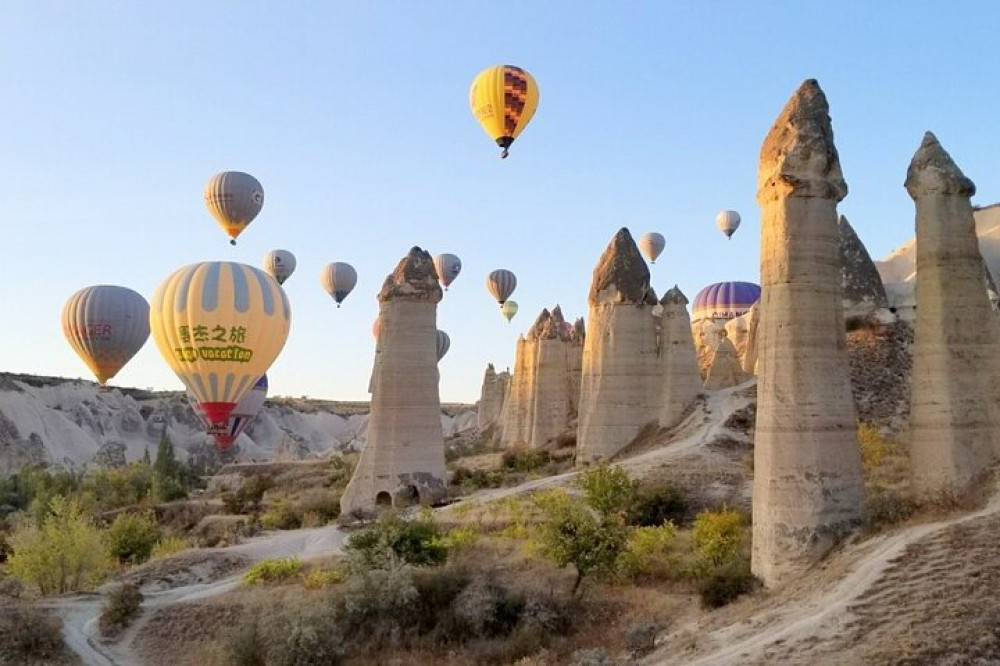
point(121, 487)
point(307, 641)
point(122, 605)
point(524, 460)
point(608, 489)
point(572, 533)
point(416, 542)
point(132, 536)
point(647, 551)
point(324, 505)
point(319, 578)
point(248, 497)
point(273, 571)
point(245, 645)
point(282, 516)
point(886, 508)
point(376, 607)
point(65, 554)
point(656, 505)
point(726, 583)
point(168, 546)
point(28, 635)
point(477, 479)
point(875, 447)
point(719, 537)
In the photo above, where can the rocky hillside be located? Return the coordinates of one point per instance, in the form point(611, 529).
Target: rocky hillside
point(74, 423)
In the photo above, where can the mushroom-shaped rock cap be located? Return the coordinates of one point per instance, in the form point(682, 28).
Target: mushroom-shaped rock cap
point(798, 157)
point(674, 296)
point(536, 330)
point(932, 171)
point(621, 275)
point(414, 279)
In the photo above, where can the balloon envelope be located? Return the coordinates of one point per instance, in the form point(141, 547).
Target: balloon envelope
point(219, 325)
point(279, 264)
point(503, 99)
point(443, 344)
point(508, 310)
point(106, 325)
point(728, 221)
point(724, 300)
point(241, 416)
point(448, 266)
point(338, 279)
point(501, 284)
point(234, 199)
point(651, 244)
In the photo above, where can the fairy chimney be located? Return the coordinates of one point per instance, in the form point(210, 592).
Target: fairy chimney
point(491, 397)
point(680, 380)
point(725, 371)
point(403, 460)
point(808, 489)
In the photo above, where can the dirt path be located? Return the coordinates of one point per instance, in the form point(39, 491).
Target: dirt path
point(79, 613)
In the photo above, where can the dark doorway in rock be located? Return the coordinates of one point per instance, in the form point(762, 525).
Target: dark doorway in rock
point(383, 499)
point(408, 496)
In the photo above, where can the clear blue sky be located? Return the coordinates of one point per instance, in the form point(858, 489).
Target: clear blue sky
point(354, 116)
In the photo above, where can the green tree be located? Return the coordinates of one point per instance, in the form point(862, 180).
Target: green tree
point(65, 554)
point(608, 489)
point(132, 536)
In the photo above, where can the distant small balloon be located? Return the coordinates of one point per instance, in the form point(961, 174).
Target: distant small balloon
point(651, 244)
point(728, 221)
point(339, 280)
point(448, 266)
point(234, 199)
point(443, 344)
point(501, 284)
point(508, 310)
point(279, 264)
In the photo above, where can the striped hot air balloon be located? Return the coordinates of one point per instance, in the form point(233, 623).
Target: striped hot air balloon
point(219, 325)
point(501, 284)
point(443, 344)
point(503, 99)
point(448, 266)
point(234, 199)
point(279, 264)
point(652, 245)
point(723, 301)
point(106, 325)
point(241, 416)
point(338, 279)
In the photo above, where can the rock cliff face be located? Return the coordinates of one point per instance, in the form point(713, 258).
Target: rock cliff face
point(726, 370)
point(542, 402)
point(492, 396)
point(953, 405)
point(403, 460)
point(680, 381)
point(808, 488)
point(863, 293)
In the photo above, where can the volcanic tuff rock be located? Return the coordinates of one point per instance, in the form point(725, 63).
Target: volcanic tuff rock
point(808, 488)
point(680, 381)
point(403, 460)
point(492, 396)
point(726, 370)
point(863, 292)
point(621, 275)
point(953, 405)
point(753, 327)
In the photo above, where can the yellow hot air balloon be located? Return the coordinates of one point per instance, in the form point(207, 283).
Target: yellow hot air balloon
point(508, 310)
point(219, 325)
point(503, 99)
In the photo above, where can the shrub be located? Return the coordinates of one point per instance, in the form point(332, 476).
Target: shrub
point(875, 447)
point(647, 551)
point(247, 498)
point(477, 479)
point(320, 578)
point(377, 606)
point(571, 533)
point(273, 570)
point(323, 504)
point(656, 505)
point(245, 645)
point(122, 605)
point(65, 554)
point(28, 635)
point(308, 641)
point(726, 583)
point(608, 489)
point(887, 507)
point(719, 537)
point(416, 542)
point(121, 487)
point(282, 516)
point(132, 536)
point(460, 538)
point(168, 546)
point(523, 460)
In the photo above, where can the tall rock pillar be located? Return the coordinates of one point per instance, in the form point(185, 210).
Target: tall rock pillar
point(620, 381)
point(808, 489)
point(403, 460)
point(681, 380)
point(952, 421)
point(491, 397)
point(555, 397)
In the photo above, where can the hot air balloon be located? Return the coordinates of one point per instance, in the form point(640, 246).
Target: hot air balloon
point(508, 310)
point(338, 279)
point(501, 284)
point(106, 325)
point(728, 221)
point(503, 99)
point(219, 325)
point(723, 301)
point(443, 344)
point(448, 266)
point(652, 245)
point(279, 264)
point(241, 416)
point(234, 198)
